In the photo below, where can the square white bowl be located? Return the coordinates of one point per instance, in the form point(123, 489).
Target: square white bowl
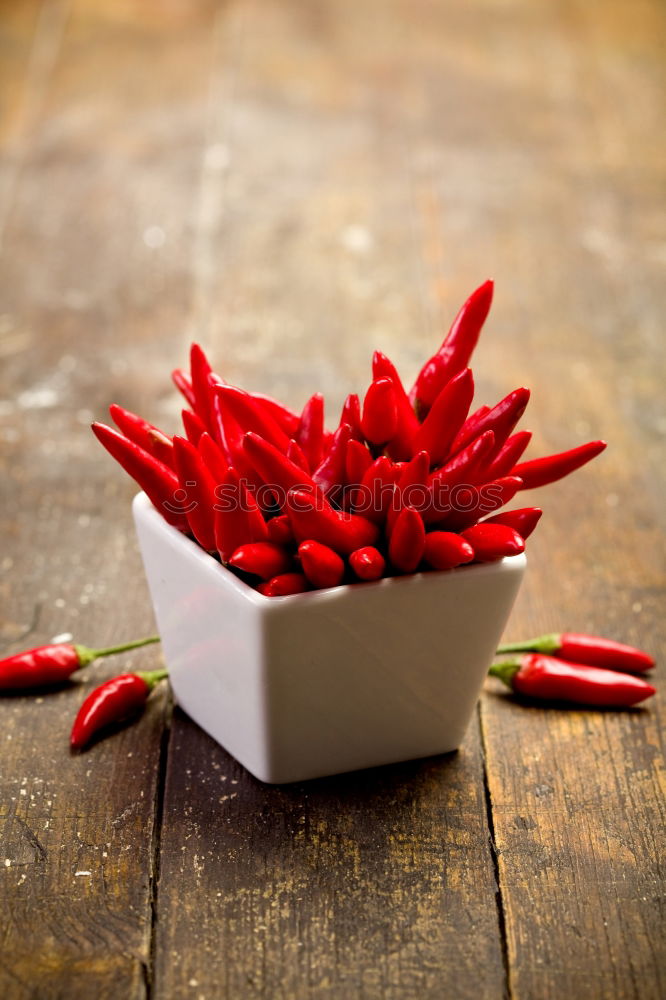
point(329, 681)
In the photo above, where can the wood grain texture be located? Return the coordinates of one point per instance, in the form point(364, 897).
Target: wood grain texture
point(294, 185)
point(79, 283)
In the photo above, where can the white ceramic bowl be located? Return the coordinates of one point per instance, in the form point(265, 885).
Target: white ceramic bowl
point(329, 681)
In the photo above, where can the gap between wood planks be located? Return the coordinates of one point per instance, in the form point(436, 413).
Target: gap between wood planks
point(155, 854)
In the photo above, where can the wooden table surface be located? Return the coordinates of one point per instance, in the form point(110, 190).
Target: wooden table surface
point(295, 184)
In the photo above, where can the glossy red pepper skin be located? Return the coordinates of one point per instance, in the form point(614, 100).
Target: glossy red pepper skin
point(367, 563)
point(295, 455)
point(275, 469)
point(146, 435)
point(113, 701)
point(524, 520)
point(541, 471)
point(342, 532)
point(591, 650)
point(262, 559)
point(412, 488)
point(379, 420)
point(200, 372)
point(508, 455)
point(183, 383)
point(401, 447)
point(310, 434)
point(500, 419)
point(199, 486)
point(456, 350)
point(213, 457)
point(331, 473)
point(194, 426)
point(158, 482)
point(446, 550)
point(285, 417)
point(351, 415)
point(548, 679)
point(321, 565)
point(251, 415)
point(486, 499)
point(407, 543)
point(493, 541)
point(446, 417)
point(233, 524)
point(284, 585)
point(279, 530)
point(377, 490)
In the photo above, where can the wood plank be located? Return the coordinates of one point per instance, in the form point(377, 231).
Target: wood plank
point(372, 884)
point(379, 884)
point(79, 286)
point(577, 796)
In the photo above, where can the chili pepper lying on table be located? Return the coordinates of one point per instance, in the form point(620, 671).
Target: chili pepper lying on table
point(55, 663)
point(589, 649)
point(549, 679)
point(113, 701)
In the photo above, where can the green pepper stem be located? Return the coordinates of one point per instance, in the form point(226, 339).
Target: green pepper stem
point(152, 677)
point(87, 655)
point(548, 643)
point(505, 670)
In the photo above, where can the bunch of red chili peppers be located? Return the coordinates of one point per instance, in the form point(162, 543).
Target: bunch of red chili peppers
point(406, 481)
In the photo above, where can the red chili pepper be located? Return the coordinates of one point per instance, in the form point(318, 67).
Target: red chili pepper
point(412, 489)
point(322, 566)
point(508, 455)
point(285, 417)
point(401, 446)
point(275, 469)
point(541, 471)
point(55, 663)
point(407, 543)
point(295, 455)
point(380, 412)
point(456, 350)
point(446, 417)
point(199, 487)
point(200, 371)
point(493, 541)
point(284, 585)
point(194, 426)
point(589, 649)
point(213, 457)
point(157, 481)
point(375, 495)
point(446, 550)
point(524, 520)
point(113, 701)
point(314, 519)
point(310, 433)
point(146, 435)
point(549, 679)
point(485, 499)
point(230, 435)
point(501, 419)
point(469, 428)
point(461, 470)
point(358, 461)
point(368, 563)
point(330, 474)
point(280, 531)
point(351, 414)
point(183, 383)
point(263, 559)
point(250, 415)
point(234, 523)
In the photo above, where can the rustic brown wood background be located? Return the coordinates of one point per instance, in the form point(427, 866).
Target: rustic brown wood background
point(293, 184)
